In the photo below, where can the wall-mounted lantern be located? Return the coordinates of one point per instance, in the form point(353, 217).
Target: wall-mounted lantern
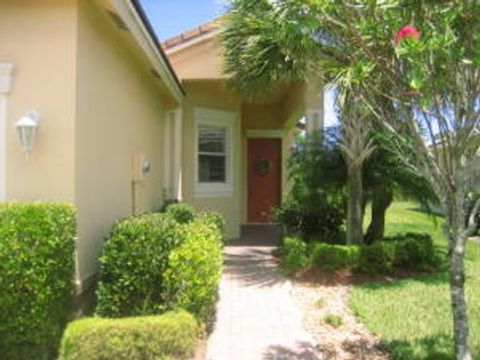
point(27, 129)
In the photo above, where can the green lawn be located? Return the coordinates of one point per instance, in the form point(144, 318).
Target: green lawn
point(413, 317)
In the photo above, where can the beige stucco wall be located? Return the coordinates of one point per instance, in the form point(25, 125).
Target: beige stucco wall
point(202, 60)
point(38, 37)
point(215, 96)
point(119, 112)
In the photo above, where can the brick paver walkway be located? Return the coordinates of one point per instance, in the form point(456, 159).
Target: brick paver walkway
point(256, 316)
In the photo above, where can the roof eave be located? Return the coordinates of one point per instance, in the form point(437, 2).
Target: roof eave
point(140, 27)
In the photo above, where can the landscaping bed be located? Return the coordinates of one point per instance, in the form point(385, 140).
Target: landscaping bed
point(404, 314)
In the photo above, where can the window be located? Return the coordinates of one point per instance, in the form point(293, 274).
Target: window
point(212, 155)
point(213, 152)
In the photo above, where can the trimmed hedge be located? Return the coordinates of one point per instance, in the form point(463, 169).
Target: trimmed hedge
point(214, 219)
point(173, 335)
point(153, 263)
point(405, 251)
point(335, 257)
point(378, 258)
point(416, 252)
point(294, 254)
point(194, 270)
point(134, 259)
point(37, 243)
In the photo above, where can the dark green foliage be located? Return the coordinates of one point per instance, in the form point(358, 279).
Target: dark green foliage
point(416, 252)
point(153, 263)
point(182, 212)
point(378, 258)
point(409, 251)
point(335, 257)
point(294, 254)
point(315, 206)
point(134, 260)
point(194, 269)
point(37, 244)
point(172, 336)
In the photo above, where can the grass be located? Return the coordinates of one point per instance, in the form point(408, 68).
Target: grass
point(333, 320)
point(413, 316)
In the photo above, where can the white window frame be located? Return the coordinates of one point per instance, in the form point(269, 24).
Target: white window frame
point(216, 118)
point(6, 70)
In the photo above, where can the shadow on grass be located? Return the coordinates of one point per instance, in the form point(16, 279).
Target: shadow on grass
point(437, 347)
point(429, 279)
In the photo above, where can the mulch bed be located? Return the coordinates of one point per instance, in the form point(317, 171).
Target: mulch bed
point(316, 276)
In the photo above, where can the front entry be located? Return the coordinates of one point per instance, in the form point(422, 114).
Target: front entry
point(264, 178)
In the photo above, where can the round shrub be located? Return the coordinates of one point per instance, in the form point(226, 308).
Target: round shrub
point(194, 270)
point(134, 260)
point(37, 243)
point(416, 251)
point(173, 335)
point(183, 213)
point(294, 254)
point(377, 258)
point(215, 219)
point(335, 257)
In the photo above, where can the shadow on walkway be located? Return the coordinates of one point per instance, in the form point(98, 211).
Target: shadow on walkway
point(302, 351)
point(253, 266)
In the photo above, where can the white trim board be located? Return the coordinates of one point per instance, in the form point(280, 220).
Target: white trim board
point(6, 70)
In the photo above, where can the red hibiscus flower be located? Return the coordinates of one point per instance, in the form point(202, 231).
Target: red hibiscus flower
point(408, 31)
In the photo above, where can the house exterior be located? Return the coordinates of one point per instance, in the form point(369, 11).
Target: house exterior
point(126, 123)
point(255, 137)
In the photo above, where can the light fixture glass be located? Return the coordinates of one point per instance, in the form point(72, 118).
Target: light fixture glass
point(26, 130)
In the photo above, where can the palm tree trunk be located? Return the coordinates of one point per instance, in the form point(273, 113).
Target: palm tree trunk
point(382, 198)
point(354, 205)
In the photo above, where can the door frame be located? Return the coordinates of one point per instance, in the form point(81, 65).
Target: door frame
point(279, 134)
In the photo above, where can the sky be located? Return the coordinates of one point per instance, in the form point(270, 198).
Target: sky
point(172, 17)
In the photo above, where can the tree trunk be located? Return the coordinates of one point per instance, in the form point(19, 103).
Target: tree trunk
point(354, 205)
point(457, 234)
point(382, 198)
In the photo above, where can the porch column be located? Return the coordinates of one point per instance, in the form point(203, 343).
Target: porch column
point(314, 106)
point(5, 88)
point(173, 154)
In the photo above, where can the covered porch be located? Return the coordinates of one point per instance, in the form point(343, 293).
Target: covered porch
point(235, 148)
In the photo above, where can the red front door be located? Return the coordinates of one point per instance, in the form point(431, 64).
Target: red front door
point(264, 178)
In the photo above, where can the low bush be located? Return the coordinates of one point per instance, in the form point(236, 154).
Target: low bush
point(335, 257)
point(37, 243)
point(134, 259)
point(294, 254)
point(416, 251)
point(215, 219)
point(409, 251)
point(153, 263)
point(194, 270)
point(378, 258)
point(183, 213)
point(173, 335)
